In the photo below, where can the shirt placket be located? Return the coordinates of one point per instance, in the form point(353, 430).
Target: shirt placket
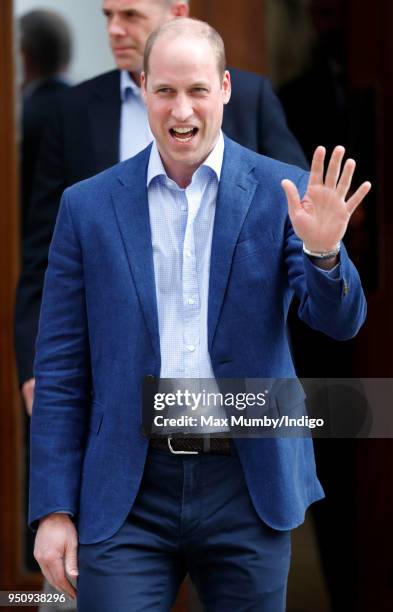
point(190, 288)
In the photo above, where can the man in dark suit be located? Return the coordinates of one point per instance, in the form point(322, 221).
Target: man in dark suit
point(45, 49)
point(102, 121)
point(181, 261)
point(46, 46)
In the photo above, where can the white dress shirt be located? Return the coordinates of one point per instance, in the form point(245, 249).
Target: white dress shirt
point(135, 133)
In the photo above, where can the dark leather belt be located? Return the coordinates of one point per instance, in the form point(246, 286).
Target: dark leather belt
point(181, 446)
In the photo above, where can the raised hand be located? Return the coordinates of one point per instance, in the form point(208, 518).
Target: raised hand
point(321, 218)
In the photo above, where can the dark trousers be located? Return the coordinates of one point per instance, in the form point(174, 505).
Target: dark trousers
point(193, 514)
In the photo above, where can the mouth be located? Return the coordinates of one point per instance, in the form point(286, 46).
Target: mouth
point(183, 134)
point(121, 50)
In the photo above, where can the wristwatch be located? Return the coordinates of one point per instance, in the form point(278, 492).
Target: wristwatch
point(321, 255)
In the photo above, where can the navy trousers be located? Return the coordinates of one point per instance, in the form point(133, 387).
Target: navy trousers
point(193, 514)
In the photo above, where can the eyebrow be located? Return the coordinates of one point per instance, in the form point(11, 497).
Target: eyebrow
point(169, 85)
point(132, 11)
point(201, 84)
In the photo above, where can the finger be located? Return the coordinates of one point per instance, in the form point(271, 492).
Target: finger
point(60, 581)
point(358, 196)
point(46, 570)
point(71, 560)
point(344, 183)
point(67, 588)
point(334, 167)
point(316, 172)
point(292, 194)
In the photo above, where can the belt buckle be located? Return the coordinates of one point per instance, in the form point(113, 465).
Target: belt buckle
point(175, 452)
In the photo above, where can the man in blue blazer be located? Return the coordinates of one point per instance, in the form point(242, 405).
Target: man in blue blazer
point(181, 260)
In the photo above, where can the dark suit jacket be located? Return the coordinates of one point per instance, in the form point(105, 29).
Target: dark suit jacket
point(36, 108)
point(99, 337)
point(83, 138)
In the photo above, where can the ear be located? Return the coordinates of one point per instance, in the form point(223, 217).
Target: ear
point(143, 86)
point(180, 9)
point(226, 87)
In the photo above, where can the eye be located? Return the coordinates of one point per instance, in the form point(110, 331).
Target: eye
point(164, 90)
point(130, 14)
point(200, 90)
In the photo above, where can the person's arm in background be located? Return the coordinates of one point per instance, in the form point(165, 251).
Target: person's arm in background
point(48, 186)
point(276, 139)
point(255, 119)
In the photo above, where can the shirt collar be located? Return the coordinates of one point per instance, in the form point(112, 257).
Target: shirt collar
point(126, 83)
point(213, 161)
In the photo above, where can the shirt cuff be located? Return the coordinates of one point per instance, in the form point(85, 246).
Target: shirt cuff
point(334, 273)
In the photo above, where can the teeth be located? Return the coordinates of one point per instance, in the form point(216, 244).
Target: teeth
point(183, 139)
point(182, 130)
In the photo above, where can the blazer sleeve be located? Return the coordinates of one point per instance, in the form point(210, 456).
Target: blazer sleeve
point(63, 378)
point(48, 186)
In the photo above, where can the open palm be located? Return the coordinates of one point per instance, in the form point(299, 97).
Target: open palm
point(321, 218)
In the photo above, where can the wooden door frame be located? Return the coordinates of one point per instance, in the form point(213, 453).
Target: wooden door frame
point(12, 517)
point(242, 27)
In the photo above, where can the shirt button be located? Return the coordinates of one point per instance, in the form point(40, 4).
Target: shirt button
point(188, 253)
point(183, 208)
point(190, 301)
point(190, 348)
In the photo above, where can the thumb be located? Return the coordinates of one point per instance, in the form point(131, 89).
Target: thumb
point(292, 194)
point(71, 560)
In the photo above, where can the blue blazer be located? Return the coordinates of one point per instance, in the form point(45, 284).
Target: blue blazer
point(98, 337)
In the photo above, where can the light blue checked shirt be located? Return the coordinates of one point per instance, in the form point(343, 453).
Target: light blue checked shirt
point(182, 227)
point(135, 133)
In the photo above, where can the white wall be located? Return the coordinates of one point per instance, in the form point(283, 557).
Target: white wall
point(91, 50)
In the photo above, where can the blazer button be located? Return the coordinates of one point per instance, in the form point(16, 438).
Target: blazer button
point(150, 377)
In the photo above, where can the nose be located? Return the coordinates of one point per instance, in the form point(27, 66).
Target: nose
point(182, 108)
point(115, 27)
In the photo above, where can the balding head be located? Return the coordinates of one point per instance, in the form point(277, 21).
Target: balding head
point(185, 92)
point(190, 28)
point(129, 23)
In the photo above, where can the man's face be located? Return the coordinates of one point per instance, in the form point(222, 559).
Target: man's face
point(130, 22)
point(185, 97)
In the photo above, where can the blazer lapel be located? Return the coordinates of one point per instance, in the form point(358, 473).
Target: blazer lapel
point(130, 201)
point(104, 119)
point(235, 193)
